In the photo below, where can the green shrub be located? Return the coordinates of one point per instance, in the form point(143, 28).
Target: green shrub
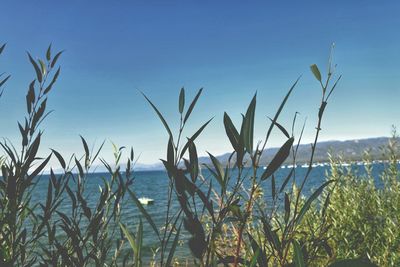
point(364, 217)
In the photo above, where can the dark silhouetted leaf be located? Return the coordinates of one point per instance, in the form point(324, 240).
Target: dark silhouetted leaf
point(271, 235)
point(231, 132)
point(40, 167)
point(194, 162)
point(2, 48)
point(60, 158)
point(197, 246)
point(278, 159)
point(160, 116)
point(86, 148)
point(248, 132)
point(30, 96)
point(80, 169)
point(48, 53)
point(219, 170)
point(53, 63)
point(261, 258)
point(36, 67)
point(181, 100)
point(173, 247)
point(139, 240)
point(287, 207)
point(307, 205)
point(273, 187)
point(194, 136)
point(4, 80)
point(286, 180)
point(190, 109)
point(50, 86)
point(278, 112)
point(283, 130)
point(170, 152)
point(144, 212)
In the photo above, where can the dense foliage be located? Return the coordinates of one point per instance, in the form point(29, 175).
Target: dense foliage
point(345, 220)
point(364, 213)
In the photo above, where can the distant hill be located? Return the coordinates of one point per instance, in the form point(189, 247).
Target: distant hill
point(350, 150)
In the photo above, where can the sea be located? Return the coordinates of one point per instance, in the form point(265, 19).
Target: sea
point(154, 185)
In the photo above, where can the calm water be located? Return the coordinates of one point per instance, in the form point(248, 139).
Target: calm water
point(154, 184)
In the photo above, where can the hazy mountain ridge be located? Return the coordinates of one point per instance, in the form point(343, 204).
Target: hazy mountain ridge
point(350, 150)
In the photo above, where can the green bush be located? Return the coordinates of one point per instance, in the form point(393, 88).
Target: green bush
point(364, 218)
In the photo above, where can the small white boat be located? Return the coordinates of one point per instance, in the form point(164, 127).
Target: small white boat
point(146, 201)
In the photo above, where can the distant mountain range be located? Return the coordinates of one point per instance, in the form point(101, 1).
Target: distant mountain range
point(350, 150)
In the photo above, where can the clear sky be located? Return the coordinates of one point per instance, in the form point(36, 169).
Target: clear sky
point(113, 49)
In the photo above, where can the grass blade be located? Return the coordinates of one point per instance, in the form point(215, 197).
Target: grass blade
point(307, 205)
point(144, 212)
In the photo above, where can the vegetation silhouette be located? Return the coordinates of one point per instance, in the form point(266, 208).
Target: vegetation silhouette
point(229, 224)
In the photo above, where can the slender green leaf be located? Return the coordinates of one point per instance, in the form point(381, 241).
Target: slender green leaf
point(4, 80)
point(286, 180)
point(194, 162)
point(80, 169)
point(298, 255)
point(2, 48)
point(253, 261)
point(36, 67)
point(261, 258)
point(40, 167)
point(173, 247)
point(48, 53)
point(278, 159)
point(307, 205)
point(333, 87)
point(144, 212)
point(170, 152)
point(194, 136)
point(128, 235)
point(160, 116)
point(86, 148)
point(181, 100)
point(287, 207)
point(53, 63)
point(42, 67)
point(283, 130)
point(219, 170)
point(316, 72)
point(278, 112)
point(249, 125)
point(231, 132)
point(139, 243)
point(273, 187)
point(50, 86)
point(60, 158)
point(190, 109)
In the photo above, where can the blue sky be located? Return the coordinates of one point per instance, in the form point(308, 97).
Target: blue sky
point(113, 49)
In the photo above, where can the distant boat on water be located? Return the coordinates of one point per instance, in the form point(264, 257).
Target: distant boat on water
point(146, 201)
